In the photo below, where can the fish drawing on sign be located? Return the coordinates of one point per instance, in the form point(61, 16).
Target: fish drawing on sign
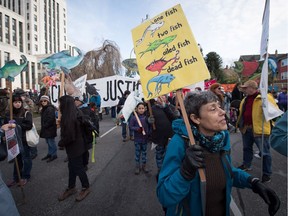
point(157, 43)
point(152, 28)
point(157, 65)
point(63, 59)
point(159, 80)
point(11, 69)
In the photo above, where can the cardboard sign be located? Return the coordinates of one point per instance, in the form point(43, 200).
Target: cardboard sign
point(12, 144)
point(167, 53)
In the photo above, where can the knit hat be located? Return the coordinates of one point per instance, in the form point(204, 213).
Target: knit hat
point(249, 83)
point(16, 97)
point(44, 97)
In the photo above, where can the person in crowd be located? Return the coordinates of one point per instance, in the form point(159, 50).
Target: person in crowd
point(48, 127)
point(282, 99)
point(163, 114)
point(216, 89)
point(8, 206)
point(73, 141)
point(179, 186)
point(96, 98)
point(140, 139)
point(86, 110)
point(236, 93)
point(123, 122)
point(29, 105)
point(279, 134)
point(250, 123)
point(22, 118)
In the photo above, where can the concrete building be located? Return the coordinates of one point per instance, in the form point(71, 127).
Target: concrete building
point(34, 28)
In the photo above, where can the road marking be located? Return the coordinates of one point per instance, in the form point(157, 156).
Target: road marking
point(108, 131)
point(234, 208)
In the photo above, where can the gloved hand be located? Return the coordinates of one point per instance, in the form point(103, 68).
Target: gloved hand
point(140, 129)
point(267, 194)
point(151, 119)
point(193, 160)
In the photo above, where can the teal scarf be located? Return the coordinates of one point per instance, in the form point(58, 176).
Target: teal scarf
point(213, 143)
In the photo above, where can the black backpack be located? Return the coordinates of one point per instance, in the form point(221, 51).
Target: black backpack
point(88, 129)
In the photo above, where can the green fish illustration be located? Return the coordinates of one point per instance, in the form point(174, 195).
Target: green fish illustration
point(11, 69)
point(157, 43)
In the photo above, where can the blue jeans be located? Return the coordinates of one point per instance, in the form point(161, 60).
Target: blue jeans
point(140, 151)
point(124, 129)
point(248, 140)
point(52, 149)
point(25, 164)
point(160, 153)
point(8, 206)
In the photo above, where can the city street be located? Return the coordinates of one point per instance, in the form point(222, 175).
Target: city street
point(116, 190)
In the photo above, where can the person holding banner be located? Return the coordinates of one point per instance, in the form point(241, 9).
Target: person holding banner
point(179, 186)
point(25, 121)
point(140, 139)
point(250, 122)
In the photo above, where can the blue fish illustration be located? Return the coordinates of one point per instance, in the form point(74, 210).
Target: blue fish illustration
point(11, 69)
point(159, 80)
point(63, 59)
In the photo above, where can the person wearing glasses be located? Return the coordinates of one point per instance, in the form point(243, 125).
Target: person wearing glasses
point(48, 127)
point(179, 185)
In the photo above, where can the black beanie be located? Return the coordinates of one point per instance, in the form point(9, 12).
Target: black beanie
point(16, 97)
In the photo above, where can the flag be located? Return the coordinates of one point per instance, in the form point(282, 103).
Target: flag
point(270, 111)
point(265, 30)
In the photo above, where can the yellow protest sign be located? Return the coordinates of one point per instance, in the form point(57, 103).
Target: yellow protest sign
point(167, 54)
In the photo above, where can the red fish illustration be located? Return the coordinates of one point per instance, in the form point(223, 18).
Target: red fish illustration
point(157, 65)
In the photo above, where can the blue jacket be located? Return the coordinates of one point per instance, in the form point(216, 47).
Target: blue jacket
point(172, 188)
point(278, 137)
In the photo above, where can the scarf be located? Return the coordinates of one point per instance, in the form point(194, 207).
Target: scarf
point(213, 143)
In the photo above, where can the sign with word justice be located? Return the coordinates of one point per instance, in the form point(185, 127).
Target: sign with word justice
point(167, 54)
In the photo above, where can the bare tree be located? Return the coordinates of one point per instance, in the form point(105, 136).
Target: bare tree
point(103, 62)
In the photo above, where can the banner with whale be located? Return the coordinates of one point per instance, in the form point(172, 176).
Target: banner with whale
point(167, 54)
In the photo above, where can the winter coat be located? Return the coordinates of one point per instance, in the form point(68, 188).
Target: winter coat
point(257, 115)
point(74, 148)
point(48, 122)
point(173, 188)
point(133, 124)
point(163, 123)
point(25, 122)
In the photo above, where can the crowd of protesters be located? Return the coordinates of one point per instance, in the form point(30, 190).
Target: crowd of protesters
point(210, 114)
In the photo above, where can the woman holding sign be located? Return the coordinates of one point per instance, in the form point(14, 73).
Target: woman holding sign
point(179, 183)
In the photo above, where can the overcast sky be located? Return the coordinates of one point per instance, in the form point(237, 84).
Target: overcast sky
point(230, 28)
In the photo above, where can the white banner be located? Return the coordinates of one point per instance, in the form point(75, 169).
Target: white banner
point(110, 89)
point(265, 30)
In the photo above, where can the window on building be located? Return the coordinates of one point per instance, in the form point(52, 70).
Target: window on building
point(35, 37)
point(6, 57)
point(35, 8)
point(7, 29)
point(27, 16)
point(28, 36)
point(1, 28)
point(27, 6)
point(28, 26)
point(284, 62)
point(13, 6)
point(19, 7)
point(14, 32)
point(28, 46)
point(35, 18)
point(36, 47)
point(21, 37)
point(35, 27)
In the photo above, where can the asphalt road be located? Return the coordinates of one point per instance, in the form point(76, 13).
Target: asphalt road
point(115, 188)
